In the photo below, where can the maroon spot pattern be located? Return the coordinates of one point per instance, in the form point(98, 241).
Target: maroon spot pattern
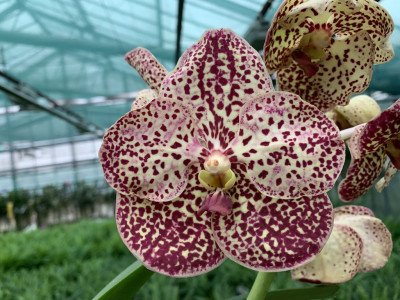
point(381, 130)
point(290, 148)
point(338, 261)
point(147, 151)
point(344, 19)
point(345, 70)
point(361, 175)
point(359, 243)
point(147, 66)
point(170, 237)
point(216, 76)
point(262, 233)
point(271, 234)
point(368, 149)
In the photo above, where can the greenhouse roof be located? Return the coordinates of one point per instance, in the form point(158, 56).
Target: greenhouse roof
point(72, 50)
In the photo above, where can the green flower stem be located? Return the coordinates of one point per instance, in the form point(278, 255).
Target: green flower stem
point(260, 286)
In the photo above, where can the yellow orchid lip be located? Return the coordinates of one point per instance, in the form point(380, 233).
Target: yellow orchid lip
point(212, 181)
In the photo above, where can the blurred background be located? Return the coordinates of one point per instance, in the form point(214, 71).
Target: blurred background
point(63, 82)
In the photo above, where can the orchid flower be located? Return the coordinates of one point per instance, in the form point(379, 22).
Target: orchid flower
point(370, 146)
point(359, 243)
point(361, 109)
point(217, 164)
point(324, 51)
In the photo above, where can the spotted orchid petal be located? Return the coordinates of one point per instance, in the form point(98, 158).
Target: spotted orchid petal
point(215, 77)
point(282, 38)
point(338, 75)
point(143, 98)
point(370, 145)
point(271, 234)
point(361, 175)
point(324, 48)
point(373, 18)
point(290, 148)
point(147, 151)
point(338, 261)
point(381, 130)
point(361, 109)
point(152, 72)
point(353, 210)
point(391, 170)
point(359, 243)
point(170, 237)
point(376, 238)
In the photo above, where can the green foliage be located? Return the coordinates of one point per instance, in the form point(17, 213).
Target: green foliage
point(78, 199)
point(76, 261)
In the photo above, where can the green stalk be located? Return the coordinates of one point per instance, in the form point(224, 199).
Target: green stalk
point(260, 286)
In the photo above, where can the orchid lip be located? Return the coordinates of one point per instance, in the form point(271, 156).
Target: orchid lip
point(218, 201)
point(218, 178)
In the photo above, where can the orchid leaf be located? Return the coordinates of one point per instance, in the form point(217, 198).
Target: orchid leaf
point(316, 292)
point(126, 284)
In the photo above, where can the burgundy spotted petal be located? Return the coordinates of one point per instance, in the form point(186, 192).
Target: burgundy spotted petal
point(282, 38)
point(216, 76)
point(338, 261)
point(143, 98)
point(346, 70)
point(324, 50)
point(271, 234)
point(376, 237)
point(147, 151)
point(170, 237)
point(290, 148)
point(359, 243)
point(370, 145)
point(361, 175)
point(381, 130)
point(373, 18)
point(152, 72)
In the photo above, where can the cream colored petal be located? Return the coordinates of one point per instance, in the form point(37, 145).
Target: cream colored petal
point(338, 261)
point(376, 238)
point(361, 109)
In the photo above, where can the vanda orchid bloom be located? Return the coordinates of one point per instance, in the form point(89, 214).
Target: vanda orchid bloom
point(359, 243)
point(219, 165)
point(324, 51)
point(361, 109)
point(370, 146)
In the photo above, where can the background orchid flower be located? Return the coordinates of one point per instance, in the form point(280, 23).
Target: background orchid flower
point(370, 146)
point(361, 109)
point(359, 243)
point(324, 51)
point(219, 165)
